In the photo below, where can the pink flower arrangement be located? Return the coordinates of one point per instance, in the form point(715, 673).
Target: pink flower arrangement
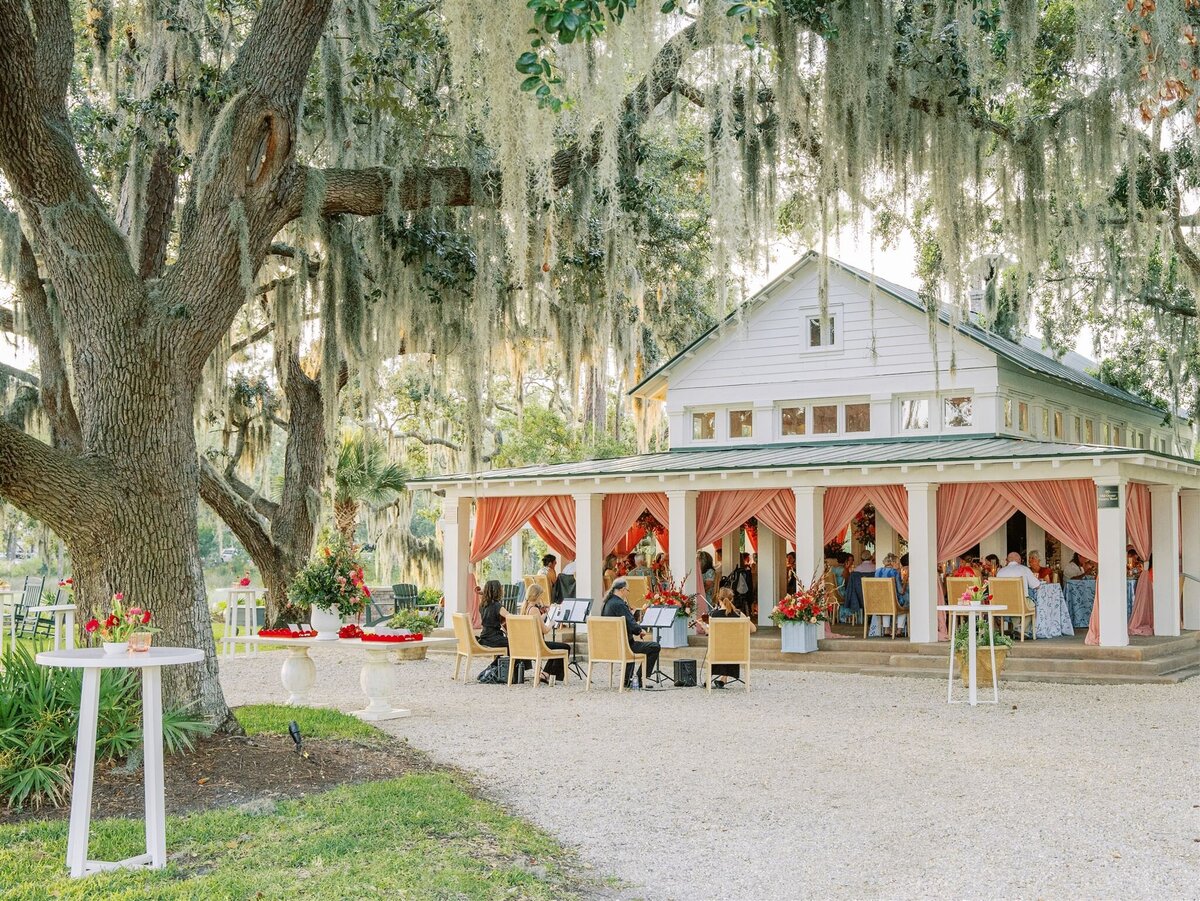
point(120, 622)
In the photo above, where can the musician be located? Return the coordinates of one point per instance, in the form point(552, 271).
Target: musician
point(723, 673)
point(616, 604)
point(536, 605)
point(492, 614)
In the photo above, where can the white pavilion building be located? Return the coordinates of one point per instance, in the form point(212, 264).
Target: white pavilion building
point(781, 414)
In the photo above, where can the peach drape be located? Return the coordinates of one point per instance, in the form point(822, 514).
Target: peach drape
point(841, 503)
point(621, 512)
point(1066, 508)
point(555, 524)
point(1137, 525)
point(966, 513)
point(497, 519)
point(779, 514)
point(892, 502)
point(720, 512)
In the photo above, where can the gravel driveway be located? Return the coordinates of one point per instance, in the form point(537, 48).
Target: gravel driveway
point(822, 785)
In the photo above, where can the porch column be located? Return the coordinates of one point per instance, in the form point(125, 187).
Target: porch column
point(885, 537)
point(1111, 591)
point(517, 570)
point(456, 551)
point(589, 554)
point(810, 532)
point(769, 559)
point(922, 562)
point(1190, 536)
point(731, 548)
point(1164, 525)
point(682, 538)
point(1035, 540)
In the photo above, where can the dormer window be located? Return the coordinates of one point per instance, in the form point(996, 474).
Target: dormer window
point(822, 332)
point(704, 426)
point(741, 423)
point(792, 421)
point(914, 414)
point(959, 412)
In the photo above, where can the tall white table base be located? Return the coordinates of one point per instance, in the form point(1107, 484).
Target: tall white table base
point(972, 613)
point(378, 682)
point(243, 601)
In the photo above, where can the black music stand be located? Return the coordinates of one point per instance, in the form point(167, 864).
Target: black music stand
point(659, 619)
point(571, 612)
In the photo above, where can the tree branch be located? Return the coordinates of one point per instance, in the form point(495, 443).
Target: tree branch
point(251, 529)
point(19, 374)
point(8, 321)
point(254, 337)
point(428, 440)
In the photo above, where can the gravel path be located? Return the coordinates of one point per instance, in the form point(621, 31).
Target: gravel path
point(822, 785)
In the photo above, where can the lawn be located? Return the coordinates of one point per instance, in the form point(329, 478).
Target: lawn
point(420, 836)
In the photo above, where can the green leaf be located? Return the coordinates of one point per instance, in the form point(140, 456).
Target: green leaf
point(749, 41)
point(668, 7)
point(531, 82)
point(738, 9)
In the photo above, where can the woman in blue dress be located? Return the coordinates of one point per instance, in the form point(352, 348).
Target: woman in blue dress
point(890, 569)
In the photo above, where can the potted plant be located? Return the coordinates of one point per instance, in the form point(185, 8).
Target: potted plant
point(676, 636)
point(800, 618)
point(333, 585)
point(120, 625)
point(985, 639)
point(416, 621)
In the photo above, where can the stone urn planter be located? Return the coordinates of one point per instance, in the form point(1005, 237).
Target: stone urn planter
point(327, 623)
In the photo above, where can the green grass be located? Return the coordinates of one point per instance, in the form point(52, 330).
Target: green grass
point(422, 836)
point(314, 722)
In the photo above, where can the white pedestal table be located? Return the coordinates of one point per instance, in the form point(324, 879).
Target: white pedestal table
point(972, 612)
point(64, 614)
point(377, 678)
point(91, 661)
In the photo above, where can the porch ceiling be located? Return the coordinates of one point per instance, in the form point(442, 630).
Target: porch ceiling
point(814, 455)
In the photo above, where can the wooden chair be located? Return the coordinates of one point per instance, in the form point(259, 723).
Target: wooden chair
point(638, 587)
point(469, 646)
point(511, 597)
point(404, 596)
point(608, 642)
point(31, 596)
point(879, 599)
point(955, 586)
point(728, 642)
point(526, 642)
point(1010, 593)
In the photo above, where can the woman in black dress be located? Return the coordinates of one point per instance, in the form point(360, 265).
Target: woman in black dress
point(723, 607)
point(493, 615)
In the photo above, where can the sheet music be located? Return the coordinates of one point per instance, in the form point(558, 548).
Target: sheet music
point(558, 613)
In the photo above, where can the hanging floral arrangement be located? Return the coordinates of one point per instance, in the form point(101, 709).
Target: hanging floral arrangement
point(651, 525)
point(863, 527)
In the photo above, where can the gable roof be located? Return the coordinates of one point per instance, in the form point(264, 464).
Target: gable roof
point(1026, 355)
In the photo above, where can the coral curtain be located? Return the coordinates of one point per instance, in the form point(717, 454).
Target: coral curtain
point(720, 512)
point(965, 515)
point(660, 508)
point(555, 523)
point(841, 503)
point(1066, 508)
point(631, 540)
point(1137, 525)
point(621, 512)
point(497, 519)
point(892, 502)
point(779, 514)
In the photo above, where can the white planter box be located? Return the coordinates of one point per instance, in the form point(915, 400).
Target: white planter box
point(676, 636)
point(799, 638)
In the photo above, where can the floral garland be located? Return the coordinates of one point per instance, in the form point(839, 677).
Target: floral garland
point(863, 527)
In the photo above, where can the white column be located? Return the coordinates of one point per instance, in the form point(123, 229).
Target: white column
point(518, 557)
point(1035, 540)
point(589, 554)
point(731, 548)
point(1164, 524)
point(1111, 590)
point(922, 562)
point(682, 538)
point(456, 553)
point(1190, 538)
point(769, 560)
point(996, 543)
point(885, 537)
point(810, 532)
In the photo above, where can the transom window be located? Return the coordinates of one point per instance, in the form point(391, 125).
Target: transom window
point(704, 426)
point(914, 413)
point(1008, 420)
point(958, 412)
point(1022, 417)
point(792, 421)
point(1058, 425)
point(1078, 429)
point(1045, 421)
point(822, 332)
point(1089, 432)
point(1118, 435)
point(741, 423)
point(858, 418)
point(825, 419)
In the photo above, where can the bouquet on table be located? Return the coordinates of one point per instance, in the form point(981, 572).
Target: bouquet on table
point(975, 595)
point(333, 580)
point(120, 622)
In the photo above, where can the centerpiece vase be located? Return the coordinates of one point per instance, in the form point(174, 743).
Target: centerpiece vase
point(798, 637)
point(113, 648)
point(327, 623)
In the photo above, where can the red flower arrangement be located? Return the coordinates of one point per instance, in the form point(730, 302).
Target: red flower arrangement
point(244, 582)
point(287, 633)
point(672, 596)
point(371, 637)
point(651, 525)
point(350, 630)
point(863, 526)
point(120, 623)
point(807, 605)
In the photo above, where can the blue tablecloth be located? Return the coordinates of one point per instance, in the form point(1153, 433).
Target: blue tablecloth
point(1081, 595)
point(1053, 614)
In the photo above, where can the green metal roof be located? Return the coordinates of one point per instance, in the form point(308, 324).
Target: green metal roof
point(1022, 355)
point(811, 455)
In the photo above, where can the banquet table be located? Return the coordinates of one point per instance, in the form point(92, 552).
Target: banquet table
point(1053, 612)
point(1081, 595)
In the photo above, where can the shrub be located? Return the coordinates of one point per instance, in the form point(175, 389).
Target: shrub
point(429, 597)
point(39, 716)
point(983, 637)
point(414, 620)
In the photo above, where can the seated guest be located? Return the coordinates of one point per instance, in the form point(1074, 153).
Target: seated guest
point(1015, 569)
point(640, 568)
point(616, 604)
point(866, 564)
point(991, 563)
point(493, 615)
point(964, 569)
point(708, 575)
point(1035, 566)
point(890, 570)
point(550, 571)
point(791, 573)
point(610, 570)
point(536, 605)
point(1133, 563)
point(725, 672)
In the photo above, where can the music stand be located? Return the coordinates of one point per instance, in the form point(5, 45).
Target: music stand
point(572, 612)
point(658, 619)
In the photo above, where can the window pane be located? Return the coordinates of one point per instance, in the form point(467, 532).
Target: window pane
point(1058, 425)
point(741, 423)
point(814, 331)
point(704, 426)
point(914, 414)
point(830, 334)
point(958, 412)
point(1078, 429)
point(793, 420)
point(1118, 435)
point(1007, 413)
point(1107, 435)
point(1045, 422)
point(825, 420)
point(858, 417)
point(1089, 432)
point(1023, 416)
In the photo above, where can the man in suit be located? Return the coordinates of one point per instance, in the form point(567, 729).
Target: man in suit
point(616, 604)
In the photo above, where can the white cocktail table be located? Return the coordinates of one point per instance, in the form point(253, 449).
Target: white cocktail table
point(91, 661)
point(377, 679)
point(972, 612)
point(243, 601)
point(64, 614)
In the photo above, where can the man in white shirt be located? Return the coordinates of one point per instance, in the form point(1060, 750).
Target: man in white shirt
point(1015, 569)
